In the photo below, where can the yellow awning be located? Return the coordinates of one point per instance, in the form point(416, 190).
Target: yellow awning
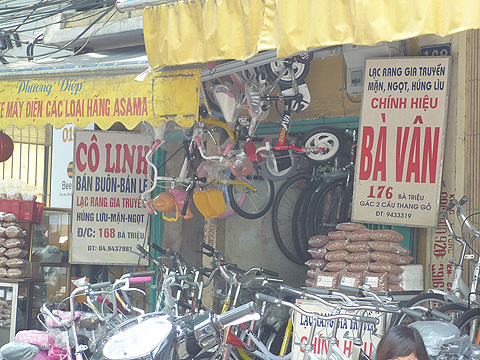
point(199, 31)
point(102, 99)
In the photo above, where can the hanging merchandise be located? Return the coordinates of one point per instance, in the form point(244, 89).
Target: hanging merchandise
point(210, 203)
point(163, 202)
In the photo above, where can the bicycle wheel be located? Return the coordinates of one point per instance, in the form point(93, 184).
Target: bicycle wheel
point(327, 139)
point(326, 213)
point(454, 310)
point(430, 301)
point(252, 204)
point(283, 212)
point(469, 323)
point(279, 164)
point(299, 226)
point(300, 72)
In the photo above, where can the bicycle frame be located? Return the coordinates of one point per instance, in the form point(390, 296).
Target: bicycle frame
point(171, 182)
point(230, 339)
point(281, 143)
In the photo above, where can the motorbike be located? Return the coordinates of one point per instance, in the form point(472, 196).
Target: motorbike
point(160, 336)
point(443, 341)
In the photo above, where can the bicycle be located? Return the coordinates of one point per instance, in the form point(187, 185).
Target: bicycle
point(73, 323)
point(461, 297)
point(283, 210)
point(323, 204)
point(278, 160)
point(345, 300)
point(250, 197)
point(241, 287)
point(179, 287)
point(309, 345)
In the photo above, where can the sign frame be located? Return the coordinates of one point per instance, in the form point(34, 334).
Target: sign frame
point(103, 230)
point(402, 94)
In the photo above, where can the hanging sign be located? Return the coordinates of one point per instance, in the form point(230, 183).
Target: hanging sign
point(401, 143)
point(108, 219)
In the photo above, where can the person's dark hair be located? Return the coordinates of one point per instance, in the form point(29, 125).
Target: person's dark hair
point(401, 341)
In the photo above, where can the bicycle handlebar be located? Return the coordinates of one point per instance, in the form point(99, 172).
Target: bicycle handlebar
point(207, 247)
point(350, 290)
point(100, 285)
point(463, 200)
point(451, 205)
point(139, 279)
point(274, 300)
point(158, 248)
point(464, 219)
point(410, 312)
point(440, 315)
point(294, 291)
point(448, 208)
point(232, 316)
point(270, 272)
point(139, 273)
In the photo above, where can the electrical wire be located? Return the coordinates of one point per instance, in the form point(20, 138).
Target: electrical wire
point(67, 45)
point(43, 10)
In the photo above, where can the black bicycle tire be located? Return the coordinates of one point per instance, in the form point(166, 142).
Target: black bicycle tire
point(278, 207)
point(456, 308)
point(284, 175)
point(468, 316)
point(346, 204)
point(299, 235)
point(416, 300)
point(271, 74)
point(239, 209)
point(322, 130)
point(309, 224)
point(326, 219)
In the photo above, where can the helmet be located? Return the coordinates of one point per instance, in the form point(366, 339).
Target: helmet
point(163, 202)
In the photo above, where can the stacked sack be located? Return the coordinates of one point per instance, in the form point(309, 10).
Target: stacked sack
point(5, 312)
point(12, 247)
point(354, 255)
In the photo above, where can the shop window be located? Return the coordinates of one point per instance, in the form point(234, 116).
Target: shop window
point(27, 163)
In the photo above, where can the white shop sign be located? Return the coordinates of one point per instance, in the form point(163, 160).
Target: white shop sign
point(62, 166)
point(398, 173)
point(347, 330)
point(108, 218)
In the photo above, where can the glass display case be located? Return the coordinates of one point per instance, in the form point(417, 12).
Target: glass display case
point(51, 238)
point(16, 299)
point(50, 241)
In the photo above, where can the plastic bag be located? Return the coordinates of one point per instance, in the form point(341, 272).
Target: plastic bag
point(17, 350)
point(318, 241)
point(42, 339)
point(229, 104)
point(386, 235)
point(317, 253)
point(435, 334)
point(349, 226)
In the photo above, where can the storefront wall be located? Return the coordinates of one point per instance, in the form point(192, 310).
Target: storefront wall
point(437, 245)
point(250, 242)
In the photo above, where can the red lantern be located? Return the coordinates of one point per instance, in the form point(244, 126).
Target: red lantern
point(6, 147)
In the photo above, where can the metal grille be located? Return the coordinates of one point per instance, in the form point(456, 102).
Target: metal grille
point(28, 160)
